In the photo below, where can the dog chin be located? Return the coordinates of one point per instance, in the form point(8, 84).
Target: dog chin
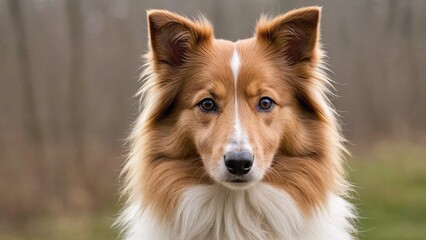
point(238, 184)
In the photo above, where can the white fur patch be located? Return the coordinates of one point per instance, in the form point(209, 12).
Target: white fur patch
point(239, 141)
point(235, 65)
point(261, 212)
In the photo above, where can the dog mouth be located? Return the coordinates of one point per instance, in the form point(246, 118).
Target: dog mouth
point(237, 183)
point(237, 180)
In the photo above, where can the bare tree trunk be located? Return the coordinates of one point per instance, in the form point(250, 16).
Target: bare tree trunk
point(76, 97)
point(31, 122)
point(76, 87)
point(34, 148)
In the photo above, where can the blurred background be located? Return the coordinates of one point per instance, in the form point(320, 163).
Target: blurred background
point(69, 71)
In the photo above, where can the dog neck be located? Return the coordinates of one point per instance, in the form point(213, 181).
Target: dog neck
point(260, 212)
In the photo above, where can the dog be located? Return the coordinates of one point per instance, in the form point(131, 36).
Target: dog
point(236, 140)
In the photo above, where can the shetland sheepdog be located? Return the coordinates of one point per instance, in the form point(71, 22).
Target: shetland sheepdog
point(236, 140)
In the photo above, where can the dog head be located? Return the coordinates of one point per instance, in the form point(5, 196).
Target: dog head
point(235, 113)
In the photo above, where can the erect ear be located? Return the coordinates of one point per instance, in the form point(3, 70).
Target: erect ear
point(172, 37)
point(294, 34)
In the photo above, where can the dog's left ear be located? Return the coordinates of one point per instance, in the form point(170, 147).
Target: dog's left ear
point(294, 34)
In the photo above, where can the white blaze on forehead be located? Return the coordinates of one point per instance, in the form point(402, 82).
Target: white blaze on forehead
point(239, 139)
point(235, 66)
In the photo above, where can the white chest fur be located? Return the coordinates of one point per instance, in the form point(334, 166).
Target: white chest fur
point(261, 212)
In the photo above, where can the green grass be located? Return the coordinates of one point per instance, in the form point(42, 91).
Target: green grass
point(391, 186)
point(391, 197)
point(66, 227)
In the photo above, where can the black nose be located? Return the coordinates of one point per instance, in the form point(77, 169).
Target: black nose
point(238, 163)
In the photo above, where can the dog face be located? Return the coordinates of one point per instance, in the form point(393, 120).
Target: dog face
point(237, 104)
point(237, 113)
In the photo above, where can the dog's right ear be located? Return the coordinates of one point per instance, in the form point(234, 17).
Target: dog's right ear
point(172, 37)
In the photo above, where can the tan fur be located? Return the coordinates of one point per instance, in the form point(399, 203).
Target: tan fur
point(174, 145)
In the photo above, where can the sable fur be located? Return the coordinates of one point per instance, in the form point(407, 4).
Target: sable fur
point(175, 148)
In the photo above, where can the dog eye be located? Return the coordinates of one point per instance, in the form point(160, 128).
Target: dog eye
point(265, 104)
point(207, 105)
